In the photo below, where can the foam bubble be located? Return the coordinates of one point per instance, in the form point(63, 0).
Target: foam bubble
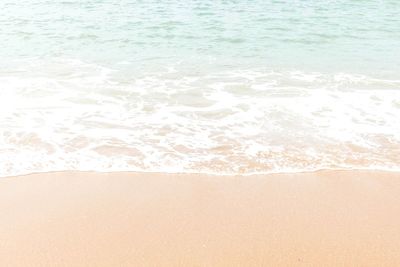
point(70, 115)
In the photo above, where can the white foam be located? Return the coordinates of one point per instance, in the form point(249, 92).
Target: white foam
point(70, 115)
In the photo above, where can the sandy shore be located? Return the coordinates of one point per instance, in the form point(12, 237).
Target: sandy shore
point(328, 218)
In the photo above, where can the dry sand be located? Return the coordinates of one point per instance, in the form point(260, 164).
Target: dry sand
point(327, 218)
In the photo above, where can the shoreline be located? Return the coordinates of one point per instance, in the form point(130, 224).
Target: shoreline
point(283, 172)
point(322, 218)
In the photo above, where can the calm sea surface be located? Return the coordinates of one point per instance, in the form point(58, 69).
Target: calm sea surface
point(204, 86)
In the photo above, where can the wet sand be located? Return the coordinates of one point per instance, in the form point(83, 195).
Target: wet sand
point(326, 218)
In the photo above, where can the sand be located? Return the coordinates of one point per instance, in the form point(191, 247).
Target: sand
point(326, 218)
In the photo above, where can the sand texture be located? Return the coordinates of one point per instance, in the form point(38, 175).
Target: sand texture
point(326, 218)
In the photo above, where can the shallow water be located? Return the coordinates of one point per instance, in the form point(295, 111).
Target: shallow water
point(199, 86)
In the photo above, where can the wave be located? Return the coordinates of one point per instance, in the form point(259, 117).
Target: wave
point(64, 114)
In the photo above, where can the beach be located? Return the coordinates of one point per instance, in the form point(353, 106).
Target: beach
point(323, 218)
point(199, 133)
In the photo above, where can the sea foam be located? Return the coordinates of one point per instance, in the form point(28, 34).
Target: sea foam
point(70, 115)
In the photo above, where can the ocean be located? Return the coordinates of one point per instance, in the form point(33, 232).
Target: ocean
point(219, 87)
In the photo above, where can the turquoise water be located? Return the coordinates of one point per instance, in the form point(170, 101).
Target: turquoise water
point(199, 86)
point(303, 35)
